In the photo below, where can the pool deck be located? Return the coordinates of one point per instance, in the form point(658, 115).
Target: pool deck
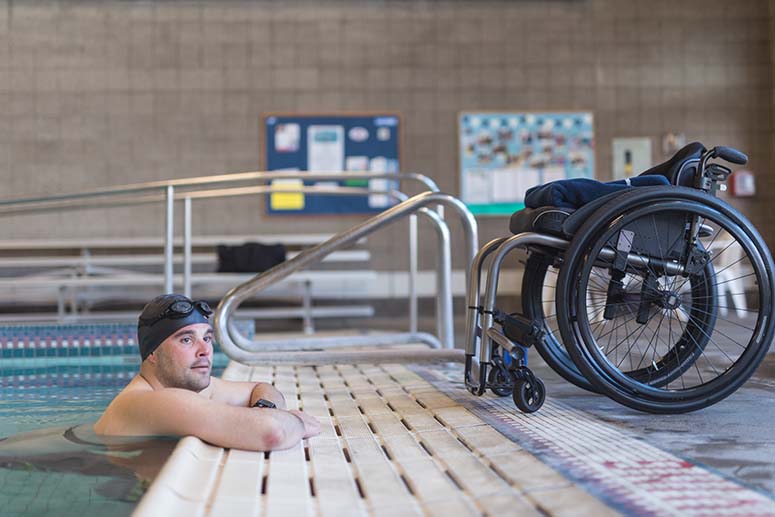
point(409, 440)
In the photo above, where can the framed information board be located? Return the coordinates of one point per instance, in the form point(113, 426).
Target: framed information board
point(501, 155)
point(363, 142)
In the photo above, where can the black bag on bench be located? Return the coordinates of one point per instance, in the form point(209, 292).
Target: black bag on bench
point(251, 257)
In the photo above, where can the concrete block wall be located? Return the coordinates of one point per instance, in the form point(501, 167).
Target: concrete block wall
point(94, 94)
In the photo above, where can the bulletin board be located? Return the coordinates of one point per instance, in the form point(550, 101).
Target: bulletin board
point(501, 155)
point(363, 142)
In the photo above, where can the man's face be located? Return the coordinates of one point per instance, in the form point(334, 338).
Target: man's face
point(185, 359)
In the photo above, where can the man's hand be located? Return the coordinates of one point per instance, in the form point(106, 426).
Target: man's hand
point(311, 424)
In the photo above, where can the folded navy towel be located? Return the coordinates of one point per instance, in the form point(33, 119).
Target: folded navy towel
point(575, 193)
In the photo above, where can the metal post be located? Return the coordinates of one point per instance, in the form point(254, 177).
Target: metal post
point(187, 246)
point(413, 310)
point(309, 327)
point(61, 312)
point(169, 241)
point(444, 319)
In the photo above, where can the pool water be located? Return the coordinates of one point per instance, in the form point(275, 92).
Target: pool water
point(51, 462)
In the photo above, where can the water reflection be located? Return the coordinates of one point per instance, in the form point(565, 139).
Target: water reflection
point(74, 469)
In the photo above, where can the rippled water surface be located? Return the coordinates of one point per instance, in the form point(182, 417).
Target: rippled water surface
point(51, 462)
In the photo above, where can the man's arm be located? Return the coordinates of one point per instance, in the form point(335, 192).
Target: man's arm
point(181, 412)
point(245, 394)
point(266, 391)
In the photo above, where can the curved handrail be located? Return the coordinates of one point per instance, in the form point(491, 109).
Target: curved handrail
point(444, 318)
point(240, 293)
point(444, 297)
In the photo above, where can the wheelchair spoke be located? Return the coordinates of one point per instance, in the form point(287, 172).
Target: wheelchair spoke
point(618, 327)
point(730, 265)
point(675, 351)
point(715, 235)
point(736, 309)
point(733, 279)
point(612, 330)
point(651, 341)
point(640, 333)
point(731, 322)
point(710, 338)
point(717, 255)
point(717, 296)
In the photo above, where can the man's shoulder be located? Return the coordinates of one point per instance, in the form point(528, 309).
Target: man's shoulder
point(138, 408)
point(136, 385)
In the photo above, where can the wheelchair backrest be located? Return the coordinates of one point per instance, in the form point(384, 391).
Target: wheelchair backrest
point(682, 167)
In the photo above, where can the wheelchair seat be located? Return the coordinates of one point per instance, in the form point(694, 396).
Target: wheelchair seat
point(553, 220)
point(545, 219)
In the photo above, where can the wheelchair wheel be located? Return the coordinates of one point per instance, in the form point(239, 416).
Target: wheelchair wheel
point(528, 395)
point(500, 382)
point(659, 340)
point(539, 287)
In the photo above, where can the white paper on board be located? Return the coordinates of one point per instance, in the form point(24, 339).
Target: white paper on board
point(325, 148)
point(286, 138)
point(553, 174)
point(379, 200)
point(357, 163)
point(526, 178)
point(504, 187)
point(378, 164)
point(476, 189)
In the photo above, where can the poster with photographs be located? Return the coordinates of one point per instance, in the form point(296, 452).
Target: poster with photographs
point(504, 154)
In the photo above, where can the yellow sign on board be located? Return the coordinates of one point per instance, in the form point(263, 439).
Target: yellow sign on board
point(287, 200)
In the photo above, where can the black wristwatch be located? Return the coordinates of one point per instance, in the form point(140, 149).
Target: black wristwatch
point(265, 403)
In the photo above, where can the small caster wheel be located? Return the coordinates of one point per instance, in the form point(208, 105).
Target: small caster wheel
point(529, 395)
point(499, 382)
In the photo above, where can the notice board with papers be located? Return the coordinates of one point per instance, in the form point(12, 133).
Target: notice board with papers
point(362, 142)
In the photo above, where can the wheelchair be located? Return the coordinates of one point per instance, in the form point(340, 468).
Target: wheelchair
point(620, 296)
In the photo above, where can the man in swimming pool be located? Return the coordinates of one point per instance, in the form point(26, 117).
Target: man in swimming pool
point(174, 393)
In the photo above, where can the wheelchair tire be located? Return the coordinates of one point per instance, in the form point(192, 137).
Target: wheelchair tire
point(539, 287)
point(529, 396)
point(500, 382)
point(689, 363)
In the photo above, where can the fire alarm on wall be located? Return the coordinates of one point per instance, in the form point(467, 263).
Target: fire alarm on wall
point(742, 183)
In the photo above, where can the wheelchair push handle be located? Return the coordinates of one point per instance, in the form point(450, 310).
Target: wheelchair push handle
point(730, 155)
point(711, 175)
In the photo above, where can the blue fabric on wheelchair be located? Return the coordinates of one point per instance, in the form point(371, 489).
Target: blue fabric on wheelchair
point(575, 193)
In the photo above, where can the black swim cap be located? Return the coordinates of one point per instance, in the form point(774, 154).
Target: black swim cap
point(163, 316)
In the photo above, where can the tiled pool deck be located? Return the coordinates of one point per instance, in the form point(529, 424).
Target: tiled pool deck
point(401, 440)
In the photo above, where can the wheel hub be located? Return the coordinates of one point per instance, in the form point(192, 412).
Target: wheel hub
point(670, 300)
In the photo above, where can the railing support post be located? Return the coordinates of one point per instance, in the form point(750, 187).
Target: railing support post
point(169, 240)
point(187, 246)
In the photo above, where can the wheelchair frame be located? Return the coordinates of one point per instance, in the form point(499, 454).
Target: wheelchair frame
point(500, 359)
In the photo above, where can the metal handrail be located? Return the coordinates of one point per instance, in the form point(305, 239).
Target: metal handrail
point(444, 267)
point(75, 202)
point(231, 301)
point(185, 183)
